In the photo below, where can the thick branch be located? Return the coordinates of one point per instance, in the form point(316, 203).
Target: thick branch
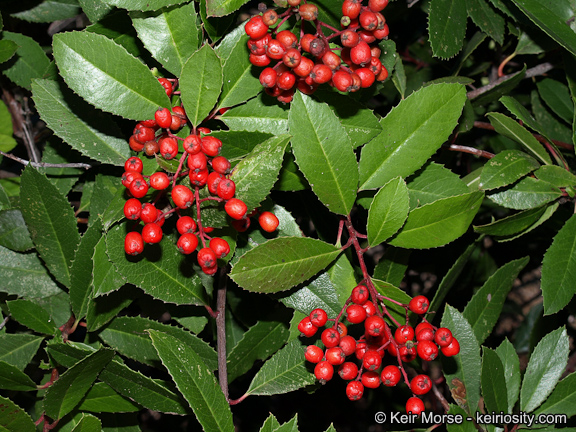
point(221, 332)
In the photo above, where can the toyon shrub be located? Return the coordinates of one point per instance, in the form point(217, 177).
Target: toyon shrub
point(351, 215)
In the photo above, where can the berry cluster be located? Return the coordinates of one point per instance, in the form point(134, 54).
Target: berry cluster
point(306, 62)
point(200, 162)
point(372, 369)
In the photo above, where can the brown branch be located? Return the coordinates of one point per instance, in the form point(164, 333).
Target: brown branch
point(45, 164)
point(471, 150)
point(21, 124)
point(221, 332)
point(541, 69)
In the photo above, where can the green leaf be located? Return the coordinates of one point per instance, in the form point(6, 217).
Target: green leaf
point(256, 174)
point(462, 371)
point(562, 400)
point(170, 34)
point(90, 131)
point(81, 277)
point(323, 153)
point(200, 84)
point(95, 10)
point(219, 8)
point(7, 50)
point(18, 349)
point(483, 310)
point(12, 378)
point(557, 97)
point(270, 424)
point(527, 193)
point(283, 373)
point(88, 423)
point(31, 61)
point(433, 182)
point(394, 293)
point(513, 224)
point(388, 211)
point(69, 389)
point(511, 129)
point(106, 278)
point(500, 87)
point(512, 376)
point(545, 16)
point(13, 418)
point(438, 223)
point(412, 132)
point(64, 178)
point(145, 391)
point(239, 143)
point(51, 222)
point(550, 126)
point(258, 343)
point(505, 168)
point(487, 19)
point(103, 398)
point(393, 265)
point(521, 113)
point(239, 84)
point(49, 11)
point(143, 5)
point(158, 271)
point(125, 86)
point(127, 335)
point(494, 388)
point(556, 175)
point(544, 370)
point(4, 200)
point(447, 35)
point(258, 114)
point(32, 315)
point(558, 266)
point(282, 263)
point(13, 231)
point(318, 293)
point(289, 426)
point(195, 381)
point(450, 279)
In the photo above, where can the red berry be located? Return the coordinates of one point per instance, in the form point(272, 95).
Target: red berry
point(129, 176)
point(443, 337)
point(426, 334)
point(308, 12)
point(206, 258)
point(287, 38)
point(133, 243)
point(241, 225)
point(390, 375)
point(407, 354)
point(304, 68)
point(198, 178)
point(371, 379)
point(306, 327)
point(213, 180)
point(159, 180)
point(258, 46)
point(163, 117)
point(324, 371)
point(343, 81)
point(236, 208)
point(275, 49)
point(132, 209)
point(330, 337)
point(134, 164)
point(143, 134)
point(182, 196)
point(371, 360)
point(292, 58)
point(355, 313)
point(286, 81)
point(167, 86)
point(351, 8)
point(348, 371)
point(360, 54)
point(360, 295)
point(348, 344)
point(318, 317)
point(349, 38)
point(152, 233)
point(321, 74)
point(192, 144)
point(138, 187)
point(452, 349)
point(255, 27)
point(168, 147)
point(134, 144)
point(403, 334)
point(414, 405)
point(149, 213)
point(368, 20)
point(197, 162)
point(226, 189)
point(268, 77)
point(335, 356)
point(419, 305)
point(427, 350)
point(268, 221)
point(179, 112)
point(421, 384)
point(306, 40)
point(211, 146)
point(331, 60)
point(354, 390)
point(361, 348)
point(374, 325)
point(377, 5)
point(185, 224)
point(187, 243)
point(367, 77)
point(220, 247)
point(342, 329)
point(259, 60)
point(270, 17)
point(210, 271)
point(423, 325)
point(313, 354)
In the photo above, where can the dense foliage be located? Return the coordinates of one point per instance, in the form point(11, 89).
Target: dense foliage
point(452, 176)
